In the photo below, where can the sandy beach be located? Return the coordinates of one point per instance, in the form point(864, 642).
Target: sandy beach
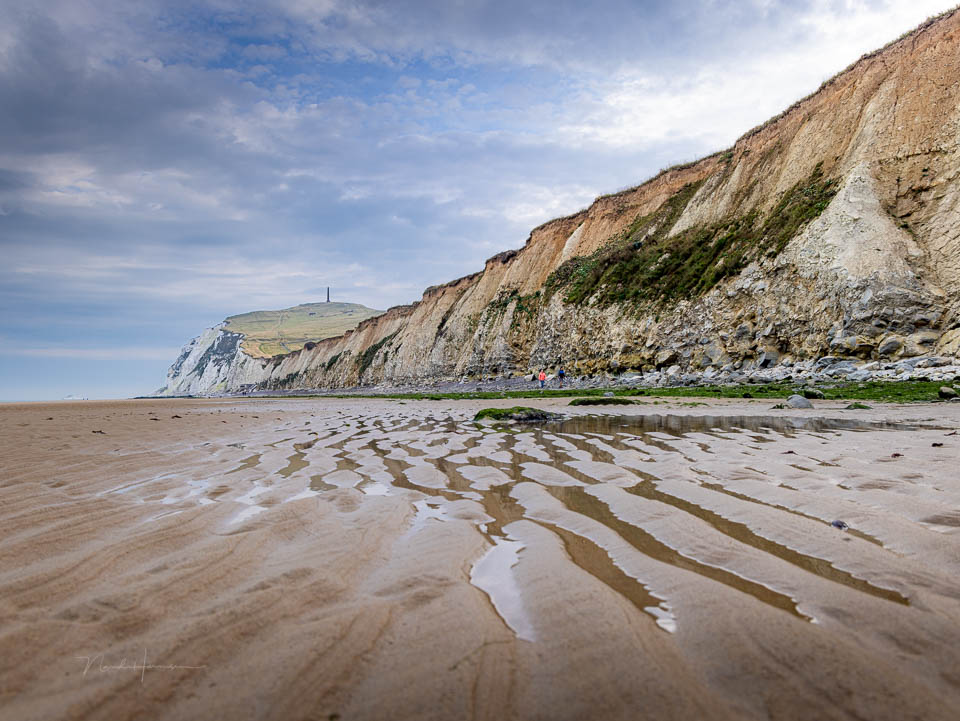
point(382, 559)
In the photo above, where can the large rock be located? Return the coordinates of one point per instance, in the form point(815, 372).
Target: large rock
point(949, 343)
point(666, 357)
point(768, 359)
point(799, 402)
point(889, 346)
point(841, 368)
point(921, 343)
point(847, 343)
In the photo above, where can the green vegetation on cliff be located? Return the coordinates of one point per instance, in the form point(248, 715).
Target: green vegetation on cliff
point(365, 359)
point(526, 306)
point(645, 263)
point(333, 359)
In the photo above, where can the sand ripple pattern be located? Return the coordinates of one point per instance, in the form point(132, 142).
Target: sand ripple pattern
point(375, 559)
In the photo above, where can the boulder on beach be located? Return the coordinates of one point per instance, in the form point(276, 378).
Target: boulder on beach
point(517, 413)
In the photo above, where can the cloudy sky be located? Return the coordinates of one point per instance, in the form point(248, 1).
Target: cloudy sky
point(164, 164)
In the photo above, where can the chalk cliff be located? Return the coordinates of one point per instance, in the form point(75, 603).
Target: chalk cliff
point(832, 229)
point(212, 361)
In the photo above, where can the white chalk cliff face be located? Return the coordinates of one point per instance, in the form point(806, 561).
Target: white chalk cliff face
point(872, 272)
point(204, 363)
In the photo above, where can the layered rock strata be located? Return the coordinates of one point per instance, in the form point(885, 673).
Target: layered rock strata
point(832, 230)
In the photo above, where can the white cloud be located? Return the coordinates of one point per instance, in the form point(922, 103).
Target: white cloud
point(213, 280)
point(264, 52)
point(728, 96)
point(529, 204)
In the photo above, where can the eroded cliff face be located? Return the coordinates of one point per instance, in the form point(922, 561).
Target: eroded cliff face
point(205, 362)
point(833, 229)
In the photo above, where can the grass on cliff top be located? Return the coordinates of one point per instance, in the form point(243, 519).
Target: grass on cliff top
point(880, 391)
point(274, 332)
point(646, 264)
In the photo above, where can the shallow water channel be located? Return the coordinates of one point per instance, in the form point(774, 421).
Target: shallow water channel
point(570, 478)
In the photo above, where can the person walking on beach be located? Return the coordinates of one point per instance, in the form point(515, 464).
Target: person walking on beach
point(543, 378)
point(561, 374)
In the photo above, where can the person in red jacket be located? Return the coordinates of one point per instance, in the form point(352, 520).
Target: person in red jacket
point(543, 378)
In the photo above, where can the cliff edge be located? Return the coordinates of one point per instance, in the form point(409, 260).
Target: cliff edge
point(832, 229)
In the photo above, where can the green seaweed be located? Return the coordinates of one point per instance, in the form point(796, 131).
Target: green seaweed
point(602, 402)
point(516, 413)
point(879, 391)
